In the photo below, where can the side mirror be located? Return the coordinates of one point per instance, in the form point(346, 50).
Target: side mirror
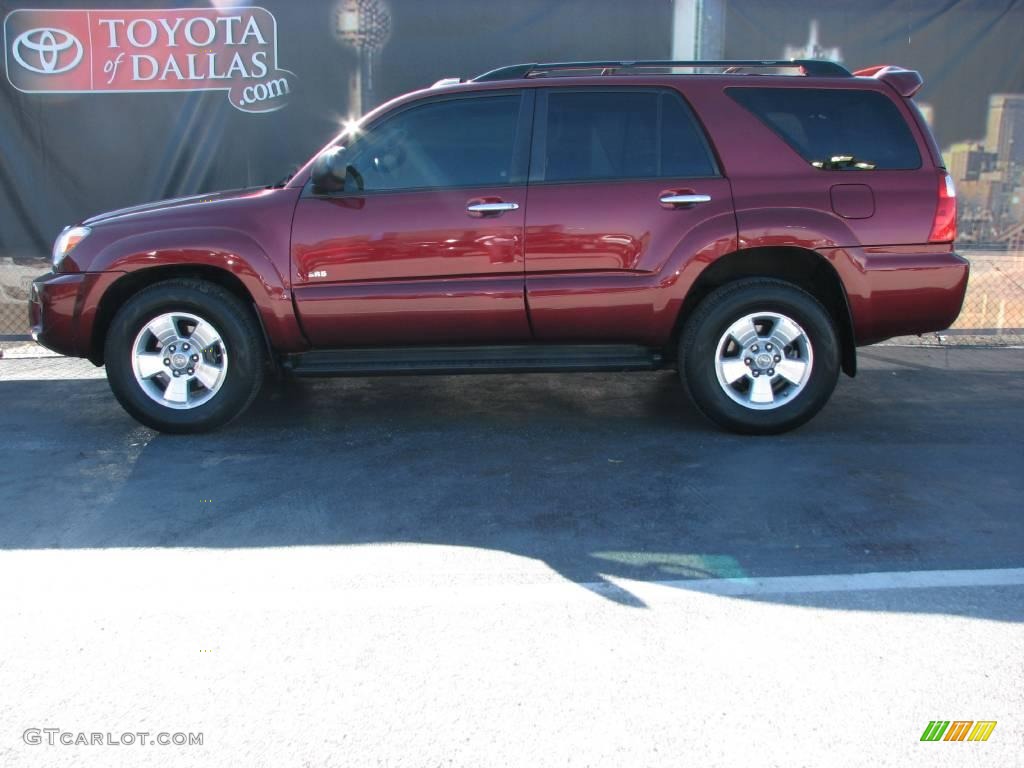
point(329, 171)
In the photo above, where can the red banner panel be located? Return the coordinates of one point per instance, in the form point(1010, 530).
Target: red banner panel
point(200, 49)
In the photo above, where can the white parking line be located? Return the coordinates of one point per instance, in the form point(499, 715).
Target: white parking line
point(841, 582)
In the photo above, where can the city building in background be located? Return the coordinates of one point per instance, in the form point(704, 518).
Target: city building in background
point(1005, 129)
point(928, 113)
point(813, 49)
point(989, 176)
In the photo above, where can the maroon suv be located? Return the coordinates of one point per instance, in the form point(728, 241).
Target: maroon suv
point(749, 223)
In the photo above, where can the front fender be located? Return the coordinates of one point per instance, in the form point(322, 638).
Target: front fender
point(223, 248)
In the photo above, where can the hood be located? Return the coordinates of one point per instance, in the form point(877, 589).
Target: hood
point(177, 202)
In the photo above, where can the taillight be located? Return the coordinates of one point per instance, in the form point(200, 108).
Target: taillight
point(944, 223)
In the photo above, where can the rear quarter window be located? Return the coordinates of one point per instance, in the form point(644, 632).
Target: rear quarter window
point(821, 124)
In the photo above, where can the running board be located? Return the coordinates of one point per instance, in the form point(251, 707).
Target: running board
point(525, 358)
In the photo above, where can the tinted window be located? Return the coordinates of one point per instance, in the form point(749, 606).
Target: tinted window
point(621, 134)
point(453, 143)
point(823, 124)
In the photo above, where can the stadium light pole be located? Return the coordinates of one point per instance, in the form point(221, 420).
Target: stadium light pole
point(364, 25)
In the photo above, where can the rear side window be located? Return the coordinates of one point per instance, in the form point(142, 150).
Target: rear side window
point(825, 124)
point(635, 134)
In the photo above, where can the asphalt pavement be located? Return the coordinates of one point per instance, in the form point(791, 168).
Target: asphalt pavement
point(517, 570)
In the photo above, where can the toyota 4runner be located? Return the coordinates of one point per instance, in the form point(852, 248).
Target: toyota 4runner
point(748, 223)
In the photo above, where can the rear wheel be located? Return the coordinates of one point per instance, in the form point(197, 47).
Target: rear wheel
point(184, 356)
point(759, 356)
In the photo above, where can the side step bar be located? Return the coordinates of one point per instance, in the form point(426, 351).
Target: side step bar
point(525, 358)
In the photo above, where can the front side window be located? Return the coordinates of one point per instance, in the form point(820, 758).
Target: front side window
point(620, 134)
point(835, 128)
point(467, 142)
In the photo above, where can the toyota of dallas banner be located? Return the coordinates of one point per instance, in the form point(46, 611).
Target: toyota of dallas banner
point(90, 51)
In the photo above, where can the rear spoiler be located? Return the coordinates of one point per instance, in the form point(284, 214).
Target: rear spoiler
point(906, 82)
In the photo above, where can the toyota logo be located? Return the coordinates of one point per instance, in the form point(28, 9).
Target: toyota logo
point(45, 48)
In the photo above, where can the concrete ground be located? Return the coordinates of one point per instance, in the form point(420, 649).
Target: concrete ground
point(516, 570)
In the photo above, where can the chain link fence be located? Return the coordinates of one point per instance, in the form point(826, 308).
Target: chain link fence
point(16, 275)
point(993, 311)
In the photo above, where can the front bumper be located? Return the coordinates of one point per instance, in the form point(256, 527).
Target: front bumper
point(63, 309)
point(52, 308)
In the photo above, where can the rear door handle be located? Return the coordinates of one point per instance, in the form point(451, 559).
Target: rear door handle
point(684, 199)
point(492, 207)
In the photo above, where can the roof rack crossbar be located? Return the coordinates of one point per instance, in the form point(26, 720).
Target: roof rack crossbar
point(811, 67)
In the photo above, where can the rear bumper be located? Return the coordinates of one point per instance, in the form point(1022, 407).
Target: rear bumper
point(898, 291)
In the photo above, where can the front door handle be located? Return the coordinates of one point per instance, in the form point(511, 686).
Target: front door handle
point(492, 207)
point(688, 198)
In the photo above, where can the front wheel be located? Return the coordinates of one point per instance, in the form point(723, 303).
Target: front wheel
point(759, 356)
point(184, 356)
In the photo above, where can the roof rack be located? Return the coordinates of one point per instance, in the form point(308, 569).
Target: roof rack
point(811, 67)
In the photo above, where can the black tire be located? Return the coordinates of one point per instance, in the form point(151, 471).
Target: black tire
point(242, 343)
point(698, 347)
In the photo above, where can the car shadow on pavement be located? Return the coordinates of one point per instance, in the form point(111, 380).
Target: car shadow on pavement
point(600, 477)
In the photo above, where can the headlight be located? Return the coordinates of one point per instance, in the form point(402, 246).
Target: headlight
point(65, 243)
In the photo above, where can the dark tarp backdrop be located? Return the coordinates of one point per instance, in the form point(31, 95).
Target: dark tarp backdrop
point(70, 146)
point(67, 156)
